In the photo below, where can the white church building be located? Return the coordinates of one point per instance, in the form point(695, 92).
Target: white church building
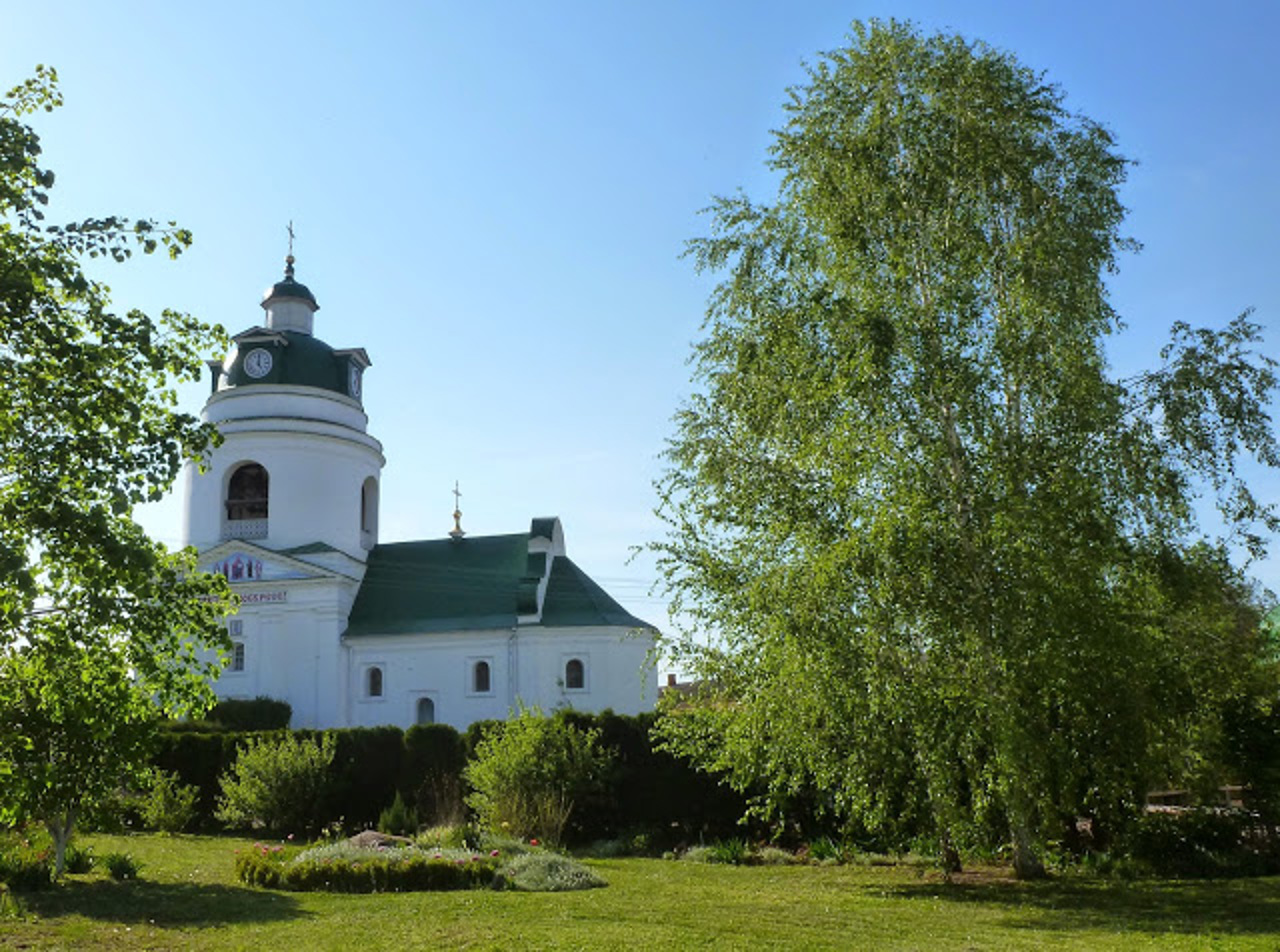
point(354, 632)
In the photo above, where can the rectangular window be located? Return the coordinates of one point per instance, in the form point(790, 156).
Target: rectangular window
point(235, 627)
point(237, 656)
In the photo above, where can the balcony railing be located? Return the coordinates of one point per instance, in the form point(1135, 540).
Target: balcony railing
point(244, 529)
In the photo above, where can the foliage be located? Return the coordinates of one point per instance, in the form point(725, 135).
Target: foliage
point(527, 774)
point(79, 859)
point(26, 860)
point(1203, 842)
point(101, 629)
point(951, 567)
point(121, 866)
point(547, 872)
point(168, 805)
point(431, 779)
point(345, 868)
point(277, 784)
point(258, 714)
point(398, 818)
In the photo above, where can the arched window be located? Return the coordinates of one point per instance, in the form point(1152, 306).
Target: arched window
point(480, 677)
point(426, 711)
point(369, 513)
point(247, 494)
point(575, 675)
point(374, 685)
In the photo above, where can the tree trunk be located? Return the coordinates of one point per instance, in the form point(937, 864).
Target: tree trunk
point(1026, 864)
point(60, 829)
point(950, 855)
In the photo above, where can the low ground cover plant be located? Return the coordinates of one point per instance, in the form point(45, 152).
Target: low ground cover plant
point(344, 867)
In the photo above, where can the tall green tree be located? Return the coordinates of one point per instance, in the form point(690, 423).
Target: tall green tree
point(101, 629)
point(934, 539)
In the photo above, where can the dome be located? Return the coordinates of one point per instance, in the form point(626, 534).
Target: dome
point(289, 288)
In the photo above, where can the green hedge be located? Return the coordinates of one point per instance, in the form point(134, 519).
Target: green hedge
point(394, 871)
point(649, 791)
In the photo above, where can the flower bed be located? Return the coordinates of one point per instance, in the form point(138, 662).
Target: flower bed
point(342, 867)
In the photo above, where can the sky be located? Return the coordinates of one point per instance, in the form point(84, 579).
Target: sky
point(493, 199)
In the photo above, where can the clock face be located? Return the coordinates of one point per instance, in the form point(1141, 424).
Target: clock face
point(257, 363)
point(353, 381)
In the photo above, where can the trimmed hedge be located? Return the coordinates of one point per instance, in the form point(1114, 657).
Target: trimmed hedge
point(403, 870)
point(648, 791)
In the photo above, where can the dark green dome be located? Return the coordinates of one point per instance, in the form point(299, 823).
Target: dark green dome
point(290, 288)
point(296, 359)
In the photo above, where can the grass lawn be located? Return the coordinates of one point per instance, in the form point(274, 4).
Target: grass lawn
point(187, 898)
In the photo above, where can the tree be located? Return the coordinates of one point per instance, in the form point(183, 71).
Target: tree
point(101, 630)
point(937, 543)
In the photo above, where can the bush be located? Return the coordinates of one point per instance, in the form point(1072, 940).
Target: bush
point(547, 872)
point(26, 861)
point(277, 784)
point(431, 772)
point(398, 818)
point(260, 714)
point(78, 859)
point(170, 805)
point(121, 866)
point(527, 774)
point(1204, 842)
point(341, 867)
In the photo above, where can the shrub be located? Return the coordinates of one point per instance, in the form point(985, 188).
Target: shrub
point(26, 862)
point(121, 865)
point(78, 859)
point(277, 784)
point(260, 714)
point(10, 906)
point(1204, 842)
point(398, 818)
point(452, 836)
point(342, 867)
point(527, 773)
point(547, 872)
point(170, 805)
point(771, 856)
point(732, 852)
point(431, 772)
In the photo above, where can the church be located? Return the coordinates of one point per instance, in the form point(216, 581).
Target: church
point(354, 632)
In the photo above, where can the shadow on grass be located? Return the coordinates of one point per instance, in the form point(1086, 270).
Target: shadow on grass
point(173, 904)
point(1239, 906)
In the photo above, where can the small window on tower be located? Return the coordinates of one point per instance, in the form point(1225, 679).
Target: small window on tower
point(374, 684)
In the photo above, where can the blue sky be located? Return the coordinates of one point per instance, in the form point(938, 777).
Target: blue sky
point(492, 199)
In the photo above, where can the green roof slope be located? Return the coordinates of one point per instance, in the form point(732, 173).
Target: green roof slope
point(472, 583)
point(574, 599)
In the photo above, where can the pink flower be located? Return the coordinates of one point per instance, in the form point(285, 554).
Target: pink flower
point(289, 837)
point(493, 852)
point(533, 842)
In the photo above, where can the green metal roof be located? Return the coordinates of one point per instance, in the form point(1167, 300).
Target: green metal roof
point(296, 358)
point(474, 583)
point(291, 288)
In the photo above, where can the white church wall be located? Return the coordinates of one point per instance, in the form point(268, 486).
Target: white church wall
point(292, 647)
point(528, 669)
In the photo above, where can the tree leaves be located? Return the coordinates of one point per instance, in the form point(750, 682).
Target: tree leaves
point(101, 629)
point(923, 523)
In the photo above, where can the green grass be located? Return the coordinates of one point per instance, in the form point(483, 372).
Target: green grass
point(187, 899)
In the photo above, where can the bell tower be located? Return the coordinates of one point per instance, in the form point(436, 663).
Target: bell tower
point(297, 467)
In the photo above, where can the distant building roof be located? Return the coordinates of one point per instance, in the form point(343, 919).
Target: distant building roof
point(474, 583)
